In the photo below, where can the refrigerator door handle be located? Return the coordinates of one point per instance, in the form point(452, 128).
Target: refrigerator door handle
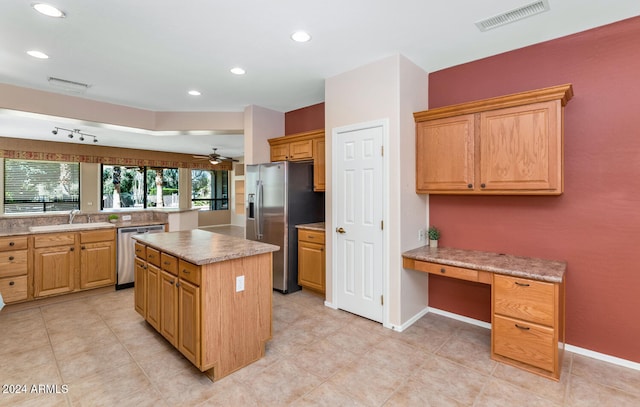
point(259, 234)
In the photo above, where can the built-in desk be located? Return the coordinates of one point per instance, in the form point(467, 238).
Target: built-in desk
point(527, 301)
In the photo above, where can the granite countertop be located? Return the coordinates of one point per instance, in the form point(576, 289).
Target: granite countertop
point(319, 226)
point(22, 230)
point(202, 247)
point(527, 267)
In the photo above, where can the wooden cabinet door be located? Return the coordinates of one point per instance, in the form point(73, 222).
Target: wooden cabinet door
point(97, 264)
point(279, 152)
point(169, 307)
point(189, 321)
point(318, 165)
point(311, 266)
point(301, 150)
point(140, 286)
point(521, 148)
point(53, 271)
point(153, 296)
point(445, 155)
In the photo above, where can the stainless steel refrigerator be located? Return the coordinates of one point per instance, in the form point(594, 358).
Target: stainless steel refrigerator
point(280, 196)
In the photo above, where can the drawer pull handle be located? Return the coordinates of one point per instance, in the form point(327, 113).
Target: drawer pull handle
point(186, 271)
point(523, 284)
point(443, 270)
point(11, 258)
point(166, 263)
point(12, 283)
point(151, 256)
point(524, 328)
point(12, 243)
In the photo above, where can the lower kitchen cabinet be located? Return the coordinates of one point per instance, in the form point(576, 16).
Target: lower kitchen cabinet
point(54, 264)
point(152, 314)
point(311, 260)
point(97, 259)
point(14, 266)
point(140, 286)
point(169, 307)
point(189, 321)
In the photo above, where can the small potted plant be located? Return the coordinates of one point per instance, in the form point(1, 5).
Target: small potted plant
point(113, 218)
point(434, 236)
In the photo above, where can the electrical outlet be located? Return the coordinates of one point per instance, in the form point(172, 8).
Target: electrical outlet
point(126, 217)
point(239, 283)
point(422, 234)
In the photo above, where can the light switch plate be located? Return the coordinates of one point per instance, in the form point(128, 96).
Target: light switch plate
point(239, 283)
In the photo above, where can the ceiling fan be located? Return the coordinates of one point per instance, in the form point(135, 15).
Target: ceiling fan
point(215, 158)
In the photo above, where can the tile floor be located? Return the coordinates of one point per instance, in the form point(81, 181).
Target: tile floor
point(106, 355)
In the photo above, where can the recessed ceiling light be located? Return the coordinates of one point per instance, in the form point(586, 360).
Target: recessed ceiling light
point(237, 71)
point(47, 10)
point(38, 54)
point(194, 93)
point(300, 36)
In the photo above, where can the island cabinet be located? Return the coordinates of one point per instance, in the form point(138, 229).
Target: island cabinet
point(217, 314)
point(528, 314)
point(66, 262)
point(302, 147)
point(311, 260)
point(14, 269)
point(510, 145)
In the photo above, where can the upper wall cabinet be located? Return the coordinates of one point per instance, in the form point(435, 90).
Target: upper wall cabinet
point(302, 147)
point(508, 145)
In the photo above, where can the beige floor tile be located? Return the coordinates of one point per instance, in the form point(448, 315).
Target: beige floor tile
point(16, 339)
point(147, 345)
point(230, 392)
point(26, 359)
point(247, 373)
point(291, 341)
point(370, 384)
point(282, 383)
point(327, 395)
point(34, 400)
point(428, 339)
point(354, 339)
point(451, 379)
point(324, 359)
point(104, 358)
point(471, 347)
point(607, 374)
point(584, 393)
point(413, 392)
point(161, 366)
point(287, 313)
point(187, 387)
point(396, 355)
point(498, 393)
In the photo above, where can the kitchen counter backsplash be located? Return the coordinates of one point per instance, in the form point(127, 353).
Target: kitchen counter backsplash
point(19, 223)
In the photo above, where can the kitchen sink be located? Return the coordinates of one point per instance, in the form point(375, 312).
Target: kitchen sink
point(64, 227)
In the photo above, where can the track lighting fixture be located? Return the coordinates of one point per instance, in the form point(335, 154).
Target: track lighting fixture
point(73, 133)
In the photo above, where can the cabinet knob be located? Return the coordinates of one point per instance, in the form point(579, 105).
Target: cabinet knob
point(71, 249)
point(443, 270)
point(12, 283)
point(178, 284)
point(82, 247)
point(469, 186)
point(11, 258)
point(482, 185)
point(12, 243)
point(172, 281)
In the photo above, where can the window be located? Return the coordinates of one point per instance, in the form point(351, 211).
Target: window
point(209, 190)
point(41, 186)
point(139, 187)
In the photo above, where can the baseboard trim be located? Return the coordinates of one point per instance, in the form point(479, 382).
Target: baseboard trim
point(569, 348)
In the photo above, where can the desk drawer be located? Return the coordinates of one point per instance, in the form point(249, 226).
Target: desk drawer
point(525, 342)
point(447, 271)
point(13, 263)
point(312, 236)
point(528, 300)
point(141, 250)
point(189, 272)
point(13, 289)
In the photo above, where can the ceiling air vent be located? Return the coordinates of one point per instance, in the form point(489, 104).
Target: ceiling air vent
point(513, 15)
point(70, 86)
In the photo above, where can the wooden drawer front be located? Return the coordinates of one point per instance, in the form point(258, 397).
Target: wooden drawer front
point(13, 243)
point(97, 236)
point(447, 271)
point(311, 236)
point(141, 250)
point(189, 272)
point(57, 239)
point(169, 263)
point(153, 256)
point(527, 343)
point(13, 288)
point(301, 150)
point(13, 263)
point(525, 299)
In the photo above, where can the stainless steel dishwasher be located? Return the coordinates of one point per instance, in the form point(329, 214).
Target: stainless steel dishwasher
point(126, 252)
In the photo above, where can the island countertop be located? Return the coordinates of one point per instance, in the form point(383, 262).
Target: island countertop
point(518, 266)
point(202, 247)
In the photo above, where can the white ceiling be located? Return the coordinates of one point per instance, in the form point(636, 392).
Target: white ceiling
point(148, 53)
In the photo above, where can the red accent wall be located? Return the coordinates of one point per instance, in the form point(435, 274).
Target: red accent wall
point(595, 224)
point(304, 119)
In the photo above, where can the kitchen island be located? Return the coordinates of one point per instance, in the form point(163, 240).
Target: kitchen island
point(208, 294)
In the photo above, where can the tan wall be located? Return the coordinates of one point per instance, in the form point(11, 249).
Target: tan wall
point(211, 218)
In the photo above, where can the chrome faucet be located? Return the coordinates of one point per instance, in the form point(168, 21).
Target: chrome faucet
point(73, 214)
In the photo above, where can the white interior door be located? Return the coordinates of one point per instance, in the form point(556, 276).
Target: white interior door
point(358, 209)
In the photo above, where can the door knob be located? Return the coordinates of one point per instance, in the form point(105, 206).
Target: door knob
point(341, 230)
